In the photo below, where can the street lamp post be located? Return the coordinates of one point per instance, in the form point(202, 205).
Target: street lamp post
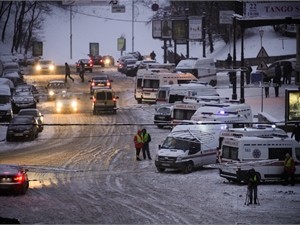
point(261, 34)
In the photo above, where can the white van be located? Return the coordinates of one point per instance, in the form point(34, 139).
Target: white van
point(176, 92)
point(204, 69)
point(150, 83)
point(241, 153)
point(6, 112)
point(227, 112)
point(188, 147)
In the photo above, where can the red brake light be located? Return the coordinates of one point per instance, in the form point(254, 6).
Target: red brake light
point(19, 178)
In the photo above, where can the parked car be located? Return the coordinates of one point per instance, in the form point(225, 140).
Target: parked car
point(13, 178)
point(97, 59)
point(22, 128)
point(22, 100)
point(9, 67)
point(37, 115)
point(56, 88)
point(15, 77)
point(98, 82)
point(28, 88)
point(88, 65)
point(45, 66)
point(270, 72)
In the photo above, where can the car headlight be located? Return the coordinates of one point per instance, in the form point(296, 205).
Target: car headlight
point(51, 67)
point(74, 104)
point(38, 67)
point(51, 93)
point(107, 61)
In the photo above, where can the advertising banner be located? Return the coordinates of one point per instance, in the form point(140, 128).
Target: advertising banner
point(94, 49)
point(292, 112)
point(37, 48)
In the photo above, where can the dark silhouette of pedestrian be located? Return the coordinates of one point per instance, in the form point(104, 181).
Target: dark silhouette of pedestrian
point(248, 73)
point(152, 55)
point(253, 181)
point(296, 132)
point(81, 71)
point(287, 73)
point(68, 72)
point(229, 61)
point(146, 140)
point(277, 79)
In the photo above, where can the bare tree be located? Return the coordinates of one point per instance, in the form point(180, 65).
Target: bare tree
point(5, 8)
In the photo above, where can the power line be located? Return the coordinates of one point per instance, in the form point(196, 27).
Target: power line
point(100, 17)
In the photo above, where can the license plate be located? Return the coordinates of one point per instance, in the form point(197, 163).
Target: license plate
point(18, 135)
point(165, 164)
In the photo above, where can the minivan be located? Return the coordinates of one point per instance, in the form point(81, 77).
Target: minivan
point(104, 100)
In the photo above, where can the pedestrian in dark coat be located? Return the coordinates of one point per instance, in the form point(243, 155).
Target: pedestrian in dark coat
point(296, 132)
point(229, 61)
point(277, 79)
point(253, 181)
point(81, 71)
point(68, 72)
point(287, 73)
point(248, 73)
point(146, 140)
point(152, 55)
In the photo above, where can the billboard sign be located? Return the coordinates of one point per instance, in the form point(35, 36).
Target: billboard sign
point(292, 109)
point(225, 17)
point(180, 29)
point(121, 44)
point(271, 9)
point(156, 28)
point(195, 28)
point(37, 48)
point(94, 49)
point(166, 29)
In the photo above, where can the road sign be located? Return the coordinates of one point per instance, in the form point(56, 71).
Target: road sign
point(225, 17)
point(262, 66)
point(262, 53)
point(118, 8)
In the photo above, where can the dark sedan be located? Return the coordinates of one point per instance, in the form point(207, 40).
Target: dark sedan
point(88, 65)
point(22, 128)
point(13, 178)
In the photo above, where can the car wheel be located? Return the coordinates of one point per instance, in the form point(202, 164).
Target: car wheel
point(23, 189)
point(91, 70)
point(188, 168)
point(160, 169)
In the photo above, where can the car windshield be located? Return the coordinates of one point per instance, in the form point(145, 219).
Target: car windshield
point(46, 62)
point(181, 144)
point(28, 112)
point(4, 99)
point(164, 110)
point(21, 120)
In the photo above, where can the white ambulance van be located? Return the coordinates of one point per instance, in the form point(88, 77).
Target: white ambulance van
point(227, 112)
point(204, 69)
point(176, 92)
point(241, 153)
point(149, 81)
point(188, 147)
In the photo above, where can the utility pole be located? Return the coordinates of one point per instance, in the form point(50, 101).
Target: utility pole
point(71, 35)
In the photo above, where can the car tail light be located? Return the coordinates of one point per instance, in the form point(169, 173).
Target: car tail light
point(19, 178)
point(114, 99)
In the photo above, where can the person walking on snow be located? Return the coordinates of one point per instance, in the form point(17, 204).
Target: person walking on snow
point(252, 186)
point(81, 71)
point(146, 140)
point(68, 72)
point(138, 143)
point(289, 170)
